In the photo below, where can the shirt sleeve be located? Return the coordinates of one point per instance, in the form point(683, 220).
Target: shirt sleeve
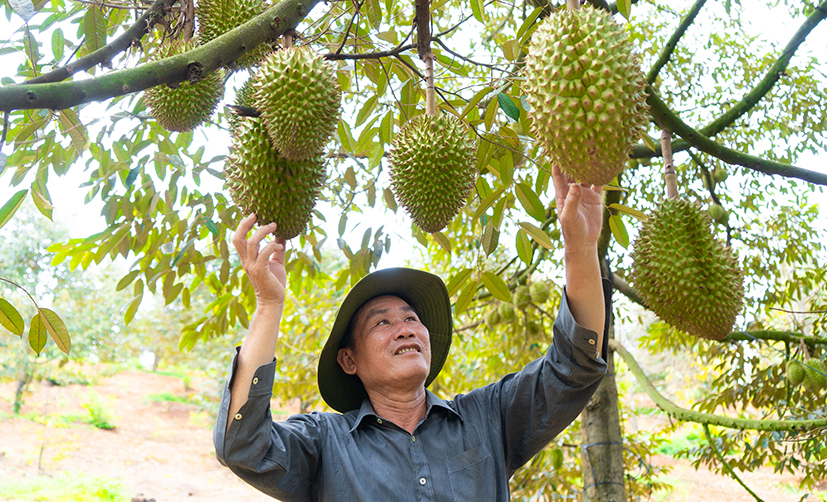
point(278, 458)
point(537, 403)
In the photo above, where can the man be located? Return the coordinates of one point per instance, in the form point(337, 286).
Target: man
point(394, 439)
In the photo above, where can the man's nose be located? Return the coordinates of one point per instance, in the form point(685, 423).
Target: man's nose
point(404, 332)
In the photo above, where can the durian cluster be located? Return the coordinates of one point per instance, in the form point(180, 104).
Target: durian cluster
point(537, 293)
point(187, 106)
point(217, 17)
point(813, 373)
point(586, 93)
point(275, 168)
point(432, 169)
point(685, 275)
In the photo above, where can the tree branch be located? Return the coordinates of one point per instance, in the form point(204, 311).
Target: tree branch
point(135, 32)
point(627, 290)
point(669, 48)
point(667, 118)
point(190, 65)
point(778, 336)
point(759, 91)
point(728, 468)
point(370, 55)
point(700, 417)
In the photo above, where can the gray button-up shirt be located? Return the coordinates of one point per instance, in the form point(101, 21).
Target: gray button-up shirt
point(465, 449)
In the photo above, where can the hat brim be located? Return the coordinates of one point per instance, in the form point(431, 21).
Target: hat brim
point(423, 291)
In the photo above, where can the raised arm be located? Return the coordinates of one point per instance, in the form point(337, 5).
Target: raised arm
point(265, 269)
point(580, 214)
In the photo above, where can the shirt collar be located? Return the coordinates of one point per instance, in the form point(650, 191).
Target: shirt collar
point(366, 410)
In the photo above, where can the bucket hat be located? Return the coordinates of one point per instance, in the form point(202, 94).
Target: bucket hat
point(425, 292)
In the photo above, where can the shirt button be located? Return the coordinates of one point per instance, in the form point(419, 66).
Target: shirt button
point(238, 416)
point(379, 421)
point(591, 341)
point(413, 438)
point(255, 380)
point(422, 481)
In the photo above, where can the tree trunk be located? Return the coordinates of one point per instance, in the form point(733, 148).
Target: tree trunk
point(602, 447)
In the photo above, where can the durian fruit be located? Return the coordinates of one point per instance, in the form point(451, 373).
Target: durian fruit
point(189, 105)
point(299, 98)
point(522, 297)
point(492, 318)
point(795, 372)
point(217, 17)
point(533, 328)
point(262, 182)
point(685, 275)
point(557, 458)
point(539, 292)
point(432, 169)
point(586, 93)
point(243, 97)
point(815, 371)
point(717, 212)
point(507, 312)
point(720, 174)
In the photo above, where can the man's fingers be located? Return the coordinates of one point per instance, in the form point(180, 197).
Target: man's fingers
point(255, 240)
point(240, 236)
point(278, 254)
point(572, 204)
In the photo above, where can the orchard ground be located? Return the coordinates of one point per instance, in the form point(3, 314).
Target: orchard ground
point(161, 448)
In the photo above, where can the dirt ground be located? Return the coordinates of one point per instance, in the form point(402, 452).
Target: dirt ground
point(163, 450)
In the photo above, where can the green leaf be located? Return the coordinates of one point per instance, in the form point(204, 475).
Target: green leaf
point(619, 230)
point(127, 280)
point(37, 334)
point(473, 102)
point(58, 44)
point(181, 253)
point(457, 281)
point(625, 8)
point(443, 241)
point(465, 297)
point(366, 110)
point(132, 308)
point(530, 202)
point(523, 245)
point(211, 226)
point(478, 9)
point(10, 207)
point(345, 137)
point(23, 8)
point(648, 142)
point(511, 49)
point(10, 318)
point(488, 202)
point(374, 11)
point(529, 22)
point(490, 237)
point(537, 234)
point(628, 210)
point(350, 177)
point(57, 328)
point(390, 200)
point(496, 286)
point(70, 124)
point(94, 27)
point(507, 105)
point(30, 46)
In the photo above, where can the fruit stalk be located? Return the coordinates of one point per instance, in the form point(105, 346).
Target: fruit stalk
point(669, 175)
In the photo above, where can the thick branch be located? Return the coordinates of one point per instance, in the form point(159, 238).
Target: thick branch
point(700, 417)
point(667, 118)
point(778, 336)
point(669, 48)
point(627, 290)
point(746, 103)
point(219, 52)
point(135, 32)
point(423, 28)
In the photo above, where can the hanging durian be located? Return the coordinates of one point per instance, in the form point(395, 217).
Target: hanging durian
point(189, 105)
point(795, 372)
point(277, 190)
point(586, 93)
point(815, 372)
point(685, 275)
point(217, 17)
point(299, 98)
point(243, 97)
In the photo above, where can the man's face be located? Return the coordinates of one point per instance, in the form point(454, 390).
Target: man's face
point(391, 346)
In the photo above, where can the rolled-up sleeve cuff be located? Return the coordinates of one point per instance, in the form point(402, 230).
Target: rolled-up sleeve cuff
point(261, 385)
point(582, 337)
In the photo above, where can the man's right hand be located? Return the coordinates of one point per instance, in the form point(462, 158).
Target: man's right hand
point(264, 267)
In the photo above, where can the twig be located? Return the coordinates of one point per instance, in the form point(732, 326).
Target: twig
point(726, 465)
point(347, 30)
point(670, 46)
point(469, 60)
point(370, 55)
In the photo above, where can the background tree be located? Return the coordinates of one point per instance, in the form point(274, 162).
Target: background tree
point(744, 111)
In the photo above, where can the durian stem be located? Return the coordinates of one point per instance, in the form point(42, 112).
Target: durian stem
point(430, 91)
point(287, 40)
point(700, 417)
point(728, 468)
point(572, 4)
point(669, 175)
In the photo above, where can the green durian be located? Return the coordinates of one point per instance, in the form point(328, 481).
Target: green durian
point(243, 97)
point(276, 189)
point(685, 275)
point(720, 174)
point(189, 105)
point(539, 292)
point(717, 212)
point(557, 458)
point(507, 312)
point(522, 297)
point(217, 17)
point(586, 93)
point(795, 372)
point(492, 318)
point(432, 169)
point(815, 373)
point(533, 328)
point(299, 98)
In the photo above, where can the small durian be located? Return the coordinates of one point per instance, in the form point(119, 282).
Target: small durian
point(816, 374)
point(533, 328)
point(492, 318)
point(276, 189)
point(685, 275)
point(522, 297)
point(539, 292)
point(432, 169)
point(795, 372)
point(586, 93)
point(189, 105)
point(557, 458)
point(299, 98)
point(507, 312)
point(217, 17)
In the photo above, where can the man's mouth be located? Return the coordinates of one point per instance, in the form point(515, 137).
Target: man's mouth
point(407, 349)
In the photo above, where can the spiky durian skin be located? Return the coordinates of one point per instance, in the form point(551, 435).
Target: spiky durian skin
point(586, 93)
point(299, 98)
point(432, 169)
point(243, 97)
point(217, 17)
point(685, 275)
point(189, 105)
point(816, 374)
point(795, 372)
point(277, 190)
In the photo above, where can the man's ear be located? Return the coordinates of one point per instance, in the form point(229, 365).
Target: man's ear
point(346, 361)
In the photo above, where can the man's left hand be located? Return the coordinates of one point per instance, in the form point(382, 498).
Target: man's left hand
point(579, 209)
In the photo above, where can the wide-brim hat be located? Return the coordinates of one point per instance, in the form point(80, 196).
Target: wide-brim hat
point(425, 292)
